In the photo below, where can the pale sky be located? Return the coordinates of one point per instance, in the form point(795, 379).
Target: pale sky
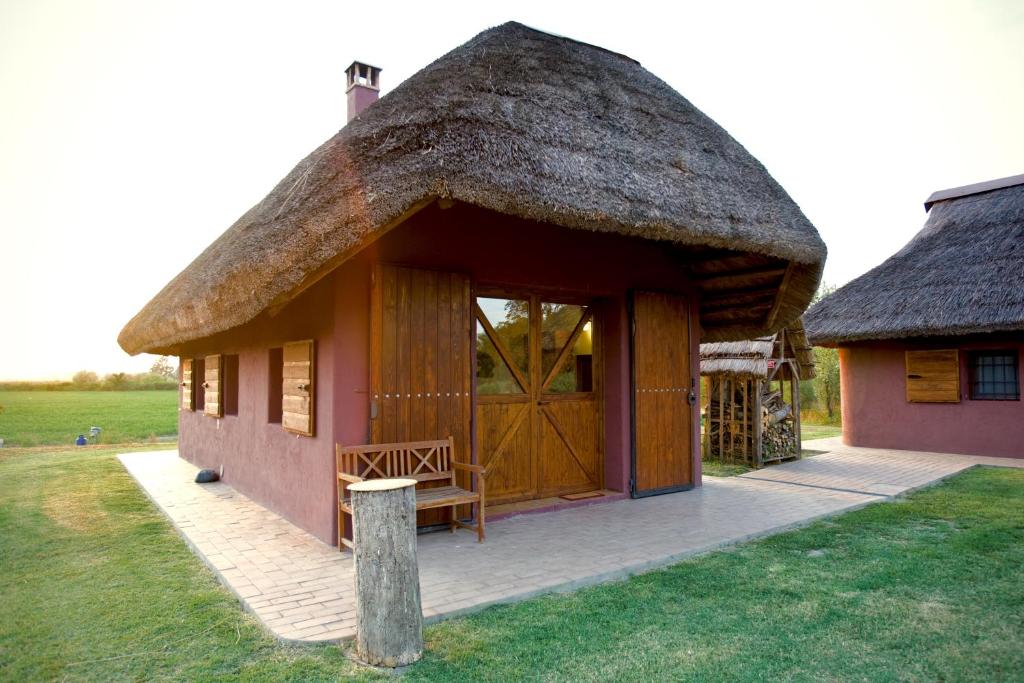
point(133, 133)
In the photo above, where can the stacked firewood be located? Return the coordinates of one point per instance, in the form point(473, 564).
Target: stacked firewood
point(732, 431)
point(736, 435)
point(778, 434)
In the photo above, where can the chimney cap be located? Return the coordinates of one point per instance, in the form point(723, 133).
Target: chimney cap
point(363, 74)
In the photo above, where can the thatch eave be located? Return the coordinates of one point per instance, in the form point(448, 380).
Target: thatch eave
point(961, 275)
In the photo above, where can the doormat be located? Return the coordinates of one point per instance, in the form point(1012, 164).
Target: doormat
point(582, 496)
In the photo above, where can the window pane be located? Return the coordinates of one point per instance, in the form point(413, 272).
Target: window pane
point(510, 320)
point(994, 375)
point(557, 324)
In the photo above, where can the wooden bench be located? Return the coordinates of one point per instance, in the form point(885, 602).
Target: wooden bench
point(420, 460)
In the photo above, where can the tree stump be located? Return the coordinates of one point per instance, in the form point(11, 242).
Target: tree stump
point(389, 618)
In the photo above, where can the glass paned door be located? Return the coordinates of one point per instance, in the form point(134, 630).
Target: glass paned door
point(538, 417)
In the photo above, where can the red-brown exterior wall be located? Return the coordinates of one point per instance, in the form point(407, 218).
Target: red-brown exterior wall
point(291, 475)
point(499, 250)
point(876, 413)
point(294, 476)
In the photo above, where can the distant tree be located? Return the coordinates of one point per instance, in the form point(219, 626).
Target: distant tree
point(115, 380)
point(85, 378)
point(826, 381)
point(824, 289)
point(163, 367)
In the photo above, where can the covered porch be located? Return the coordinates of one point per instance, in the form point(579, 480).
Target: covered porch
point(300, 588)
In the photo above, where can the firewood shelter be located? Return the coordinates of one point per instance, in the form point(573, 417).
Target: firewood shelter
point(753, 397)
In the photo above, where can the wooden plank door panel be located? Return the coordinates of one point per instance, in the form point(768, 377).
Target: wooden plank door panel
point(570, 459)
point(420, 360)
point(503, 435)
point(662, 378)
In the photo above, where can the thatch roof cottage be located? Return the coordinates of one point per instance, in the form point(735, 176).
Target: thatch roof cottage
point(521, 246)
point(930, 341)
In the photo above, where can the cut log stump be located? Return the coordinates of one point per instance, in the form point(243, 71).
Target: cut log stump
point(389, 617)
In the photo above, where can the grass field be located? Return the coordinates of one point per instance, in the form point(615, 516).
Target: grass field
point(38, 418)
point(97, 586)
point(815, 431)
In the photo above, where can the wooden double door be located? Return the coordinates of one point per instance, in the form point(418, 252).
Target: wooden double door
point(538, 396)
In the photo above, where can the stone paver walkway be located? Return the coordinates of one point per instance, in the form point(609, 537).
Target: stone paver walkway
point(301, 588)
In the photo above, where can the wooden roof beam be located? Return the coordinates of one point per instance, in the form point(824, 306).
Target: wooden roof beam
point(774, 313)
point(752, 314)
point(738, 296)
point(738, 279)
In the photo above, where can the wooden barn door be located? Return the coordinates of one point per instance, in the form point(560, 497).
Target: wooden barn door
point(662, 381)
point(420, 360)
point(538, 408)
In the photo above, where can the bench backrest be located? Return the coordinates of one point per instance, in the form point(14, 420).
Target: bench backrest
point(419, 460)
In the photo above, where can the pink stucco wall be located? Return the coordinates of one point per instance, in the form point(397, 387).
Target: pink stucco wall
point(294, 476)
point(876, 413)
point(291, 475)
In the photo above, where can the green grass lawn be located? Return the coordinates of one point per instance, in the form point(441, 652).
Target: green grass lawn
point(717, 468)
point(38, 418)
point(97, 586)
point(812, 431)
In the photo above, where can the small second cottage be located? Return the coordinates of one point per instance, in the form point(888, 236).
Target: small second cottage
point(930, 341)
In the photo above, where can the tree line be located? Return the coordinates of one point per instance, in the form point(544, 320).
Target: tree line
point(162, 375)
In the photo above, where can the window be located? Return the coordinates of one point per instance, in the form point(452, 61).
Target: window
point(230, 385)
point(198, 379)
point(275, 381)
point(994, 376)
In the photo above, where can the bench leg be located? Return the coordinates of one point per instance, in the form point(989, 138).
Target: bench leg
point(480, 522)
point(343, 542)
point(453, 516)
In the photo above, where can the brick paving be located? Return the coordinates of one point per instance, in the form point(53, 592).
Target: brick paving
point(301, 588)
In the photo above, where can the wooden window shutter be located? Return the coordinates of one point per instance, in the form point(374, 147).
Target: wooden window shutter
point(188, 389)
point(298, 390)
point(213, 404)
point(933, 376)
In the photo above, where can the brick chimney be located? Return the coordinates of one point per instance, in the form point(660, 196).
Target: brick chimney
point(363, 87)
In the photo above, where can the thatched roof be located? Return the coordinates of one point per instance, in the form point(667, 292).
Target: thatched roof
point(750, 358)
point(527, 124)
point(962, 274)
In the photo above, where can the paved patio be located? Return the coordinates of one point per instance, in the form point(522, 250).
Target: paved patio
point(301, 588)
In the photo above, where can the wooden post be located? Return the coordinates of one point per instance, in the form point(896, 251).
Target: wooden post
point(721, 418)
point(794, 384)
point(758, 425)
point(746, 408)
point(389, 618)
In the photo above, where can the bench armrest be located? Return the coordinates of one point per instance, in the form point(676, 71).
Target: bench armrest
point(465, 466)
point(350, 478)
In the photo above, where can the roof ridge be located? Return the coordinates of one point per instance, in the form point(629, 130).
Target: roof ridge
point(972, 189)
point(513, 22)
